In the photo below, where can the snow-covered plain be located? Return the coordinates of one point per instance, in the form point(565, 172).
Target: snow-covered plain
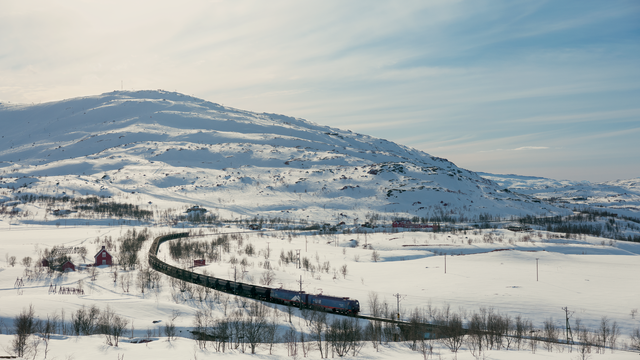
point(166, 152)
point(591, 279)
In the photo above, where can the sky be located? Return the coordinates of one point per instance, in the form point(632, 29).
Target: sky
point(538, 88)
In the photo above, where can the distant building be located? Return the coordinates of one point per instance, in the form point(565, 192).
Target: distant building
point(196, 209)
point(103, 258)
point(410, 225)
point(519, 228)
point(199, 263)
point(68, 266)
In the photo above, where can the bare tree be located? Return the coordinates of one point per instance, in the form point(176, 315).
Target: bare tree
point(375, 256)
point(426, 349)
point(551, 334)
point(82, 251)
point(290, 337)
point(289, 311)
point(118, 327)
point(344, 335)
point(26, 261)
point(200, 328)
point(25, 325)
point(267, 278)
point(125, 282)
point(476, 335)
point(104, 325)
point(613, 336)
point(304, 344)
point(635, 339)
point(520, 328)
point(170, 327)
point(603, 333)
point(47, 328)
point(255, 324)
point(344, 271)
point(375, 331)
point(585, 341)
point(84, 320)
point(318, 329)
point(450, 329)
point(271, 329)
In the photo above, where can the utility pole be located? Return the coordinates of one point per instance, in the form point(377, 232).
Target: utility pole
point(397, 296)
point(298, 253)
point(268, 252)
point(300, 295)
point(568, 327)
point(445, 263)
point(536, 269)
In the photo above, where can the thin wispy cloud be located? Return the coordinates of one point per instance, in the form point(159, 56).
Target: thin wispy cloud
point(531, 148)
point(454, 79)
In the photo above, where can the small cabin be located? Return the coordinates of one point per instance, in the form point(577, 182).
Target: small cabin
point(200, 262)
point(68, 266)
point(103, 258)
point(196, 209)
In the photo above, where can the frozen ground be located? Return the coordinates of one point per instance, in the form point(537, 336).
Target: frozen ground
point(492, 269)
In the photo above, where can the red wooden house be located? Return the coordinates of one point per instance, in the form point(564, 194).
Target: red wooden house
point(103, 258)
point(68, 266)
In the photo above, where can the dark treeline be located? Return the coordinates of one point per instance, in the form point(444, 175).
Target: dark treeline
point(117, 210)
point(129, 245)
point(209, 250)
point(91, 204)
point(588, 222)
point(48, 199)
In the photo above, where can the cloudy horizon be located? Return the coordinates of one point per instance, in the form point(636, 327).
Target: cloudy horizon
point(532, 88)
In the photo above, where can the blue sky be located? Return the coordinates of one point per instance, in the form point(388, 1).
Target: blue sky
point(541, 88)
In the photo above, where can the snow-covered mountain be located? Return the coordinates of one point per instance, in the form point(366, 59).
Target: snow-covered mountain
point(169, 148)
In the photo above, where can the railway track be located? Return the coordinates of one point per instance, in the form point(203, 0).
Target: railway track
point(228, 286)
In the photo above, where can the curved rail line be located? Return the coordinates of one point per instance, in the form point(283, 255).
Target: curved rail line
point(248, 290)
point(263, 293)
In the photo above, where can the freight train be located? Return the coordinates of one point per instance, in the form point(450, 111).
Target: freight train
point(342, 305)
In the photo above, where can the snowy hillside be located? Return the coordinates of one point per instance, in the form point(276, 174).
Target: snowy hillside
point(619, 197)
point(185, 151)
point(118, 169)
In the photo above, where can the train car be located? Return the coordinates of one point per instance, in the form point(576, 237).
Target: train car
point(241, 289)
point(260, 292)
point(288, 297)
point(335, 304)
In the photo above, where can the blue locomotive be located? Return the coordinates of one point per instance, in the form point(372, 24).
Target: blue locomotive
point(342, 305)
